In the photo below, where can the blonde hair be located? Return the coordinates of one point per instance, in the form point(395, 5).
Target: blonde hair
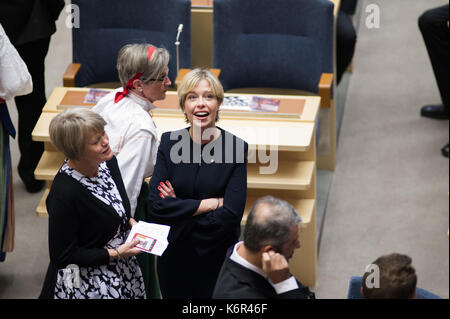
point(133, 58)
point(70, 129)
point(190, 82)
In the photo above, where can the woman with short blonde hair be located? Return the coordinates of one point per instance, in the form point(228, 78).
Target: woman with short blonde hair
point(69, 130)
point(89, 216)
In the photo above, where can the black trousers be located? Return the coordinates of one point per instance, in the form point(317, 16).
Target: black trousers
point(183, 274)
point(348, 6)
point(29, 107)
point(434, 29)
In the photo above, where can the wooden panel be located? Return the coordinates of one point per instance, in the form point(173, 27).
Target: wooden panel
point(288, 176)
point(202, 3)
point(41, 209)
point(282, 136)
point(304, 207)
point(48, 165)
point(40, 132)
point(201, 37)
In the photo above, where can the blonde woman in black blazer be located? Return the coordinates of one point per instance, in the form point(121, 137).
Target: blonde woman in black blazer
point(199, 188)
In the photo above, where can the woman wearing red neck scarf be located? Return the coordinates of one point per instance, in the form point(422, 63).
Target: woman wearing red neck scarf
point(143, 72)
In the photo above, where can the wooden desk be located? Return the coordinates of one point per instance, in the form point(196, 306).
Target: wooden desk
point(291, 141)
point(169, 107)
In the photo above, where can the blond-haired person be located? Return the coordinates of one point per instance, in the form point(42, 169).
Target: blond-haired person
point(143, 72)
point(199, 188)
point(89, 215)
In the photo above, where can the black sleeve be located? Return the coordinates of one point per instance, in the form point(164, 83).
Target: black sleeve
point(217, 226)
point(64, 229)
point(54, 8)
point(175, 212)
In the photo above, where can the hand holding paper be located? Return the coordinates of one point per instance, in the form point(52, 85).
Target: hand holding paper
point(153, 237)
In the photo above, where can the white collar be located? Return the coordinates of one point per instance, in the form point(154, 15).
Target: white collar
point(241, 261)
point(144, 103)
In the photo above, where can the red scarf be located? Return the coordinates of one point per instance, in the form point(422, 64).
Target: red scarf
point(129, 85)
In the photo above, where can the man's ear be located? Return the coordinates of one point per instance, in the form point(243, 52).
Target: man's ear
point(267, 248)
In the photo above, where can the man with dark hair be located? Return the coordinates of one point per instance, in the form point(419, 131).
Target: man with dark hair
point(394, 278)
point(258, 267)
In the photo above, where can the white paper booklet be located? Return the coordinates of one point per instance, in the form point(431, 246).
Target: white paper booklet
point(153, 237)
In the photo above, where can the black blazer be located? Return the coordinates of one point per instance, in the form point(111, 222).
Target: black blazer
point(80, 225)
point(223, 175)
point(237, 282)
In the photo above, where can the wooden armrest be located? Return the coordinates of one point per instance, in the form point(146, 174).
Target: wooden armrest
point(70, 74)
point(337, 5)
point(325, 85)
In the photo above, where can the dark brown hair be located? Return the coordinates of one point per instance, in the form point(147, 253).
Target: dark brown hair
point(397, 277)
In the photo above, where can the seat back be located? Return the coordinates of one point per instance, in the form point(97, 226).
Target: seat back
point(354, 290)
point(279, 44)
point(107, 25)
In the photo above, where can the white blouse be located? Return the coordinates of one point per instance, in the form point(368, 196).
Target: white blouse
point(132, 137)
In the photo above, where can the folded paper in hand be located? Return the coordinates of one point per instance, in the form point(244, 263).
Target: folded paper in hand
point(153, 237)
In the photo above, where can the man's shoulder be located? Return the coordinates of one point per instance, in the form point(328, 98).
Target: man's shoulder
point(237, 282)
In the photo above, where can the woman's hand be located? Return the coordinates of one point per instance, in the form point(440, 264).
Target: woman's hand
point(166, 190)
point(125, 250)
point(132, 221)
point(209, 204)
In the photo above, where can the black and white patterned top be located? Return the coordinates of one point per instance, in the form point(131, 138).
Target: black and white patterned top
point(120, 278)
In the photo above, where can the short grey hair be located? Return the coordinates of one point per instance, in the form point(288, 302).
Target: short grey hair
point(269, 223)
point(133, 59)
point(70, 129)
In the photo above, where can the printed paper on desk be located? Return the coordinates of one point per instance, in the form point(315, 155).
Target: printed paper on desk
point(265, 104)
point(94, 95)
point(153, 237)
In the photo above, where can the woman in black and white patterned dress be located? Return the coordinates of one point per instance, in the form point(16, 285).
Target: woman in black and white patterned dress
point(89, 216)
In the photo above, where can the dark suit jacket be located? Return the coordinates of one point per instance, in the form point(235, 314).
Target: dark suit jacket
point(25, 21)
point(238, 282)
point(80, 225)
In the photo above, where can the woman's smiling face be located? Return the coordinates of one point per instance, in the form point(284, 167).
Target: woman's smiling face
point(201, 106)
